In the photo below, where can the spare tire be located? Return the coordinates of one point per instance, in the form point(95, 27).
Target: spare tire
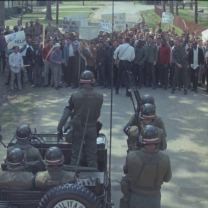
point(69, 195)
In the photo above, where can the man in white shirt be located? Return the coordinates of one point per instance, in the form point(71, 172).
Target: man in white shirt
point(125, 54)
point(15, 61)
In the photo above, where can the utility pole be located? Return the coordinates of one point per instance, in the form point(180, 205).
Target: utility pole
point(196, 11)
point(57, 12)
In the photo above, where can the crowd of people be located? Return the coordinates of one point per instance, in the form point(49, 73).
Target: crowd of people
point(161, 59)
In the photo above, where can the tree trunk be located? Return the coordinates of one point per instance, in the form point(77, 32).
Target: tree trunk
point(191, 5)
point(171, 7)
point(48, 11)
point(2, 6)
point(196, 11)
point(163, 3)
point(176, 7)
point(26, 6)
point(83, 3)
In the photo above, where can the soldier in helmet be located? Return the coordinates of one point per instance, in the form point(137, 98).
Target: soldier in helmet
point(140, 188)
point(15, 178)
point(33, 157)
point(55, 175)
point(79, 103)
point(148, 118)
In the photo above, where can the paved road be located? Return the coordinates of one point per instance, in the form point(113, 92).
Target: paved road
point(185, 118)
point(132, 11)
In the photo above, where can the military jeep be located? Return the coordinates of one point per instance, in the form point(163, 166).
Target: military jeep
point(89, 191)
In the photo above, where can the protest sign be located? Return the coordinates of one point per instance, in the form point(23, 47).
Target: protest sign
point(69, 25)
point(119, 20)
point(167, 18)
point(15, 39)
point(205, 35)
point(88, 33)
point(105, 26)
point(80, 17)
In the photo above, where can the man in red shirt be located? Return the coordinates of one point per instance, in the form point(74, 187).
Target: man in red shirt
point(46, 55)
point(163, 62)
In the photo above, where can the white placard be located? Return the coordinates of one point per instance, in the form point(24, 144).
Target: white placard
point(88, 33)
point(15, 39)
point(105, 26)
point(80, 17)
point(119, 20)
point(167, 18)
point(205, 35)
point(69, 25)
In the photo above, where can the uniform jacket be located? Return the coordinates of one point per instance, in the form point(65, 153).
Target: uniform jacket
point(16, 179)
point(200, 56)
point(37, 58)
point(151, 52)
point(53, 177)
point(141, 163)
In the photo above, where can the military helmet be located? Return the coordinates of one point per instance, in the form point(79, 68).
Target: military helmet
point(148, 99)
point(15, 157)
point(149, 135)
point(87, 77)
point(54, 156)
point(23, 133)
point(148, 111)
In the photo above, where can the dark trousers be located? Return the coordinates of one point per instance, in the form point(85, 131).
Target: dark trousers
point(163, 75)
point(138, 74)
point(172, 70)
point(70, 70)
point(194, 75)
point(150, 74)
point(30, 73)
point(101, 69)
point(157, 74)
point(3, 58)
point(91, 68)
point(180, 74)
point(123, 67)
point(115, 73)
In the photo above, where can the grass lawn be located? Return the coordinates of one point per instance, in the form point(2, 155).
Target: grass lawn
point(150, 18)
point(202, 3)
point(80, 3)
point(41, 13)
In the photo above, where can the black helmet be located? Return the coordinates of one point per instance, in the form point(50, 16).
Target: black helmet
point(23, 133)
point(148, 111)
point(149, 135)
point(148, 99)
point(15, 157)
point(87, 77)
point(54, 156)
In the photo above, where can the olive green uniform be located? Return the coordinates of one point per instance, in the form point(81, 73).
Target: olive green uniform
point(33, 157)
point(16, 179)
point(157, 122)
point(53, 177)
point(147, 170)
point(83, 99)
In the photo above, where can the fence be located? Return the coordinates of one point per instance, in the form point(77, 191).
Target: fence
point(178, 22)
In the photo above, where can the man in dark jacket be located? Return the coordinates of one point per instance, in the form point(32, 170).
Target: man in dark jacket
point(195, 59)
point(37, 65)
point(101, 58)
point(2, 52)
point(110, 60)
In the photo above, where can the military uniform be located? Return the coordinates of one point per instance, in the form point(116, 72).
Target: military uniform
point(16, 179)
point(82, 100)
point(53, 177)
point(33, 157)
point(146, 172)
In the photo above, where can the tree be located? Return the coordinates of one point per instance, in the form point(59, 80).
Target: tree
point(48, 11)
point(2, 7)
point(191, 5)
point(163, 3)
point(171, 7)
point(177, 8)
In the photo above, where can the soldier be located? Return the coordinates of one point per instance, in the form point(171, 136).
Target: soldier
point(140, 188)
point(15, 178)
point(79, 103)
point(55, 175)
point(33, 157)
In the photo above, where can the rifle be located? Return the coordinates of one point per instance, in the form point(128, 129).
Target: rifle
point(136, 95)
point(1, 139)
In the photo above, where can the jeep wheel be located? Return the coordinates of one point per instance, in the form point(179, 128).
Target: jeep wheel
point(69, 195)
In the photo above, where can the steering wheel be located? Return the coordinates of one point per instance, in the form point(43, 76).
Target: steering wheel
point(35, 140)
